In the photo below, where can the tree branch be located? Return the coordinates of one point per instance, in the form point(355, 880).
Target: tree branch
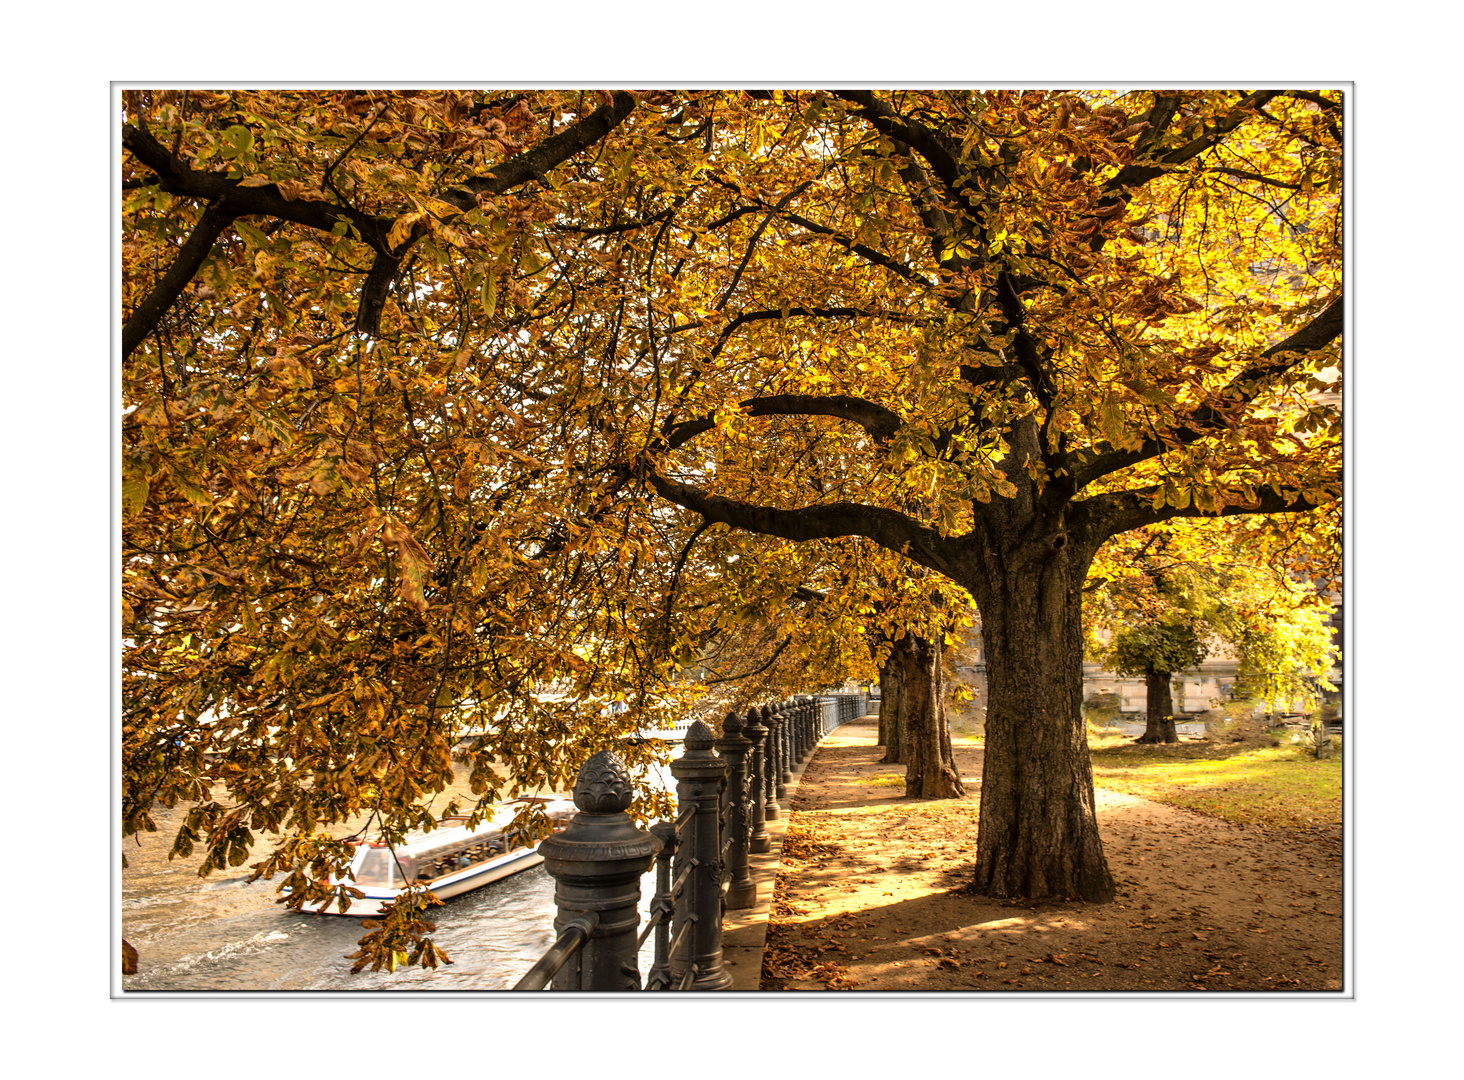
point(878, 258)
point(1243, 388)
point(927, 143)
point(880, 422)
point(534, 164)
point(529, 165)
point(749, 674)
point(144, 318)
point(1121, 511)
point(887, 528)
point(816, 313)
point(178, 178)
point(1137, 173)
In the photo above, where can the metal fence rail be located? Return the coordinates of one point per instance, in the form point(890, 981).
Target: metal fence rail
point(727, 789)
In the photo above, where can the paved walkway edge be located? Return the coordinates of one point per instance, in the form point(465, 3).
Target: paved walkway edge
point(745, 930)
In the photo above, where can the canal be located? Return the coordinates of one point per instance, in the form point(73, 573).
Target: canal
point(221, 934)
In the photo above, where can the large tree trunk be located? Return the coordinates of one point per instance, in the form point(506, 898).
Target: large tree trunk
point(1159, 708)
point(1038, 834)
point(892, 695)
point(930, 771)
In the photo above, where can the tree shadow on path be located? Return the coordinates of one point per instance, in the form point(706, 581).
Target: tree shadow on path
point(871, 895)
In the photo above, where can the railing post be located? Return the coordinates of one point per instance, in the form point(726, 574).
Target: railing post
point(760, 841)
point(773, 786)
point(597, 863)
point(664, 904)
point(785, 742)
point(741, 889)
point(806, 740)
point(699, 774)
point(789, 711)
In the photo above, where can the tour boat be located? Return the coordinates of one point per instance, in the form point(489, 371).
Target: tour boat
point(450, 860)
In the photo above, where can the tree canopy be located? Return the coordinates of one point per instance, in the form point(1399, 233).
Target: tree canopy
point(1159, 598)
point(428, 392)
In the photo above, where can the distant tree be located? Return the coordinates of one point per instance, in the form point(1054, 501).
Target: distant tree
point(1155, 652)
point(913, 725)
point(1165, 594)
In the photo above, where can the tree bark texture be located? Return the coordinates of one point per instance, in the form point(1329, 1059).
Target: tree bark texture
point(930, 771)
point(892, 693)
point(1159, 706)
point(1038, 834)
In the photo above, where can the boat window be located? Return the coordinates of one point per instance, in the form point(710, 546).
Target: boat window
point(375, 868)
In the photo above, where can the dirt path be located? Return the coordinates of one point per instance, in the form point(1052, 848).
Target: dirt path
point(870, 896)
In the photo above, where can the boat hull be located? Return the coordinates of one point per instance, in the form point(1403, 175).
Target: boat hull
point(446, 886)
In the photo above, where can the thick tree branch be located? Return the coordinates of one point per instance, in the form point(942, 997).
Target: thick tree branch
point(941, 157)
point(888, 528)
point(144, 318)
point(1139, 172)
point(1210, 418)
point(177, 178)
point(529, 165)
point(536, 163)
point(880, 422)
point(1122, 511)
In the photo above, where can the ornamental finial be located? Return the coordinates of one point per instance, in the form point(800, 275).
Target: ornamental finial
point(699, 736)
point(603, 786)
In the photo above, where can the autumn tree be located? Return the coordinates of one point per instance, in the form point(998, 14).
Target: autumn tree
point(336, 561)
point(781, 618)
point(914, 617)
point(986, 331)
point(1053, 319)
point(1160, 598)
point(1155, 651)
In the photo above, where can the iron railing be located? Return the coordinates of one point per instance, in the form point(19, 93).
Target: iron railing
point(727, 789)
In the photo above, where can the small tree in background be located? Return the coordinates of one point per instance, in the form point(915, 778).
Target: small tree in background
point(1171, 591)
point(1156, 652)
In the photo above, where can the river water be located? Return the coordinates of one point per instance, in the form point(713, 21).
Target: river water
point(221, 934)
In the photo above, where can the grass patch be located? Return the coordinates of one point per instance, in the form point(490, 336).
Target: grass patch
point(1107, 739)
point(969, 726)
point(1279, 787)
point(887, 780)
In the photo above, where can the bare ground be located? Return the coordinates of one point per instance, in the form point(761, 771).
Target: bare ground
point(871, 896)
